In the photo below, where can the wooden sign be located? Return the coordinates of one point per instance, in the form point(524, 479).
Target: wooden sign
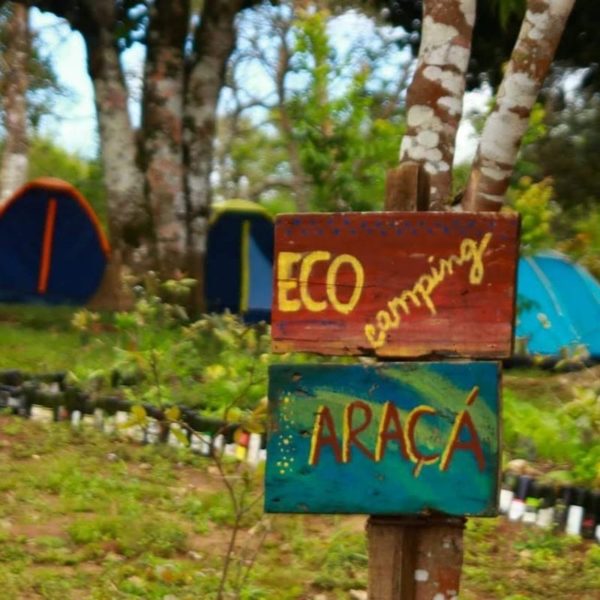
point(395, 284)
point(396, 438)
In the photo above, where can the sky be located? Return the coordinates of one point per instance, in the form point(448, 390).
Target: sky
point(73, 124)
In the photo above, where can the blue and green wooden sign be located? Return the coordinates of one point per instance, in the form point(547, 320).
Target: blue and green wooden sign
point(391, 438)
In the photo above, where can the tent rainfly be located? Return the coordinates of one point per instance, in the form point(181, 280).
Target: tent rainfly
point(239, 260)
point(558, 306)
point(52, 247)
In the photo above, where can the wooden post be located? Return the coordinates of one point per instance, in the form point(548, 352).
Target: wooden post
point(413, 558)
point(365, 438)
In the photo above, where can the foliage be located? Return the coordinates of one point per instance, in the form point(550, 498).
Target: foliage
point(345, 146)
point(48, 160)
point(217, 363)
point(567, 438)
point(43, 83)
point(533, 201)
point(492, 45)
point(584, 245)
point(328, 117)
point(568, 152)
point(153, 522)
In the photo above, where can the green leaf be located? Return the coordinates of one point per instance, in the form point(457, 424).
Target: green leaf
point(181, 436)
point(173, 413)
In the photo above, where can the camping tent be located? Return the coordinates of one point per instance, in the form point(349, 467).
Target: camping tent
point(239, 260)
point(52, 247)
point(558, 305)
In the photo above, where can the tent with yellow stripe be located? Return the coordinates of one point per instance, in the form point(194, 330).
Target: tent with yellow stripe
point(52, 247)
point(239, 260)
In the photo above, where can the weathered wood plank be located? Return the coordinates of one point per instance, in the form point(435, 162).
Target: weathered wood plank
point(395, 284)
point(393, 438)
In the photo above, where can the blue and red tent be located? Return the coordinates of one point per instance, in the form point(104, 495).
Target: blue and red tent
point(52, 246)
point(239, 260)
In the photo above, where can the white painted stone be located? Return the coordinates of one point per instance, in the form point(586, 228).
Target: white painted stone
point(421, 575)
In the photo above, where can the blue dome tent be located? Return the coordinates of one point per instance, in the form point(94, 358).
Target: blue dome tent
point(239, 260)
point(558, 306)
point(52, 247)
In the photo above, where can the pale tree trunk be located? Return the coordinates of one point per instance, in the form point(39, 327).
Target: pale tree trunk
point(534, 50)
point(213, 44)
point(128, 217)
point(162, 128)
point(435, 95)
point(13, 170)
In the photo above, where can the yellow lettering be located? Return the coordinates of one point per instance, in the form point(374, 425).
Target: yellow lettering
point(286, 281)
point(411, 447)
point(376, 342)
point(305, 269)
point(384, 321)
point(425, 286)
point(469, 250)
point(395, 316)
point(402, 300)
point(422, 290)
point(359, 274)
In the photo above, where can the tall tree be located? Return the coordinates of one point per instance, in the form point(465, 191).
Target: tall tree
point(16, 52)
point(532, 56)
point(99, 22)
point(443, 57)
point(435, 96)
point(328, 114)
point(162, 128)
point(157, 180)
point(213, 42)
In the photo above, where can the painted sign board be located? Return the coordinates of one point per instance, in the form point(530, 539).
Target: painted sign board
point(392, 438)
point(395, 284)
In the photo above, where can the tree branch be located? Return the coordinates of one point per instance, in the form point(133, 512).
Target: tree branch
point(532, 55)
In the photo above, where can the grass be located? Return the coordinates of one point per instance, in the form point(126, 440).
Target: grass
point(83, 515)
point(41, 339)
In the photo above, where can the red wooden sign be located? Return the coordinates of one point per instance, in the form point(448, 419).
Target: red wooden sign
point(395, 284)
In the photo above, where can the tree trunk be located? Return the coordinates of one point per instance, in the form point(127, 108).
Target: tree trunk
point(435, 96)
point(13, 171)
point(127, 214)
point(213, 44)
point(532, 55)
point(162, 128)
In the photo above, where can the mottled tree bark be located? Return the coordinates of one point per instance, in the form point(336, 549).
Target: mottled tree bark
point(13, 170)
point(128, 217)
point(534, 50)
point(162, 128)
point(435, 95)
point(214, 42)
